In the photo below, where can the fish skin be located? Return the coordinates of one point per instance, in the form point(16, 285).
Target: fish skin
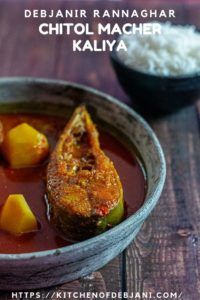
point(83, 186)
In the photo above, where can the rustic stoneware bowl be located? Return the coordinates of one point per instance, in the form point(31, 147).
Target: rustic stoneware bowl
point(47, 268)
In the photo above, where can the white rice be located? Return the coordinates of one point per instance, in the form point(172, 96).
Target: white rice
point(176, 51)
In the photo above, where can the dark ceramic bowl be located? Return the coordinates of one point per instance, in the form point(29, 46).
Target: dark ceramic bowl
point(153, 94)
point(47, 268)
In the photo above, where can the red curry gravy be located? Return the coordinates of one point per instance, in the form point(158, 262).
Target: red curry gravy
point(31, 183)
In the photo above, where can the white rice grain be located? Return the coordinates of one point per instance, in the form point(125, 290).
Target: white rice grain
point(176, 51)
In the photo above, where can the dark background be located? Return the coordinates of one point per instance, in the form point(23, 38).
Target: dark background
point(165, 256)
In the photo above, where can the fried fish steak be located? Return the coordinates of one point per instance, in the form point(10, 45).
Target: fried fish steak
point(84, 191)
point(1, 133)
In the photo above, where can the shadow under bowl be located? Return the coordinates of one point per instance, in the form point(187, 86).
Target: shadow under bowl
point(52, 267)
point(153, 94)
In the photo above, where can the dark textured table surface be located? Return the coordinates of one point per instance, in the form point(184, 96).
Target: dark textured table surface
point(165, 256)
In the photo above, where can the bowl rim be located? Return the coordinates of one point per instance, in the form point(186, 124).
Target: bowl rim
point(114, 56)
point(149, 202)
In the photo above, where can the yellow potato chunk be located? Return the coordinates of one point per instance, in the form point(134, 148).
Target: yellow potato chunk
point(16, 216)
point(24, 146)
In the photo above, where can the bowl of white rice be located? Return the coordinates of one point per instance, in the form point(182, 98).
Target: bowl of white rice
point(160, 72)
